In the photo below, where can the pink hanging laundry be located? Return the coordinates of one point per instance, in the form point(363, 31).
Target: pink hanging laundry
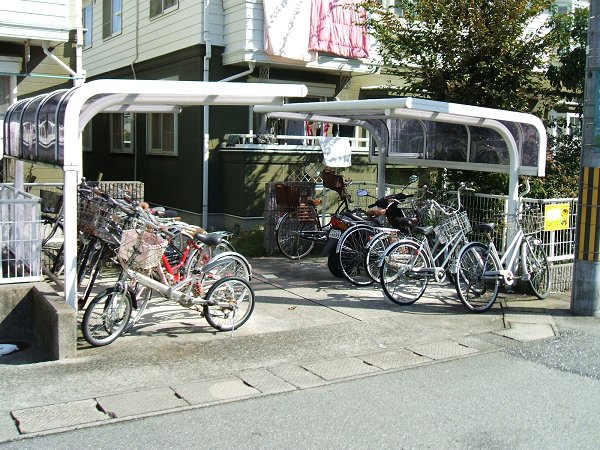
point(334, 28)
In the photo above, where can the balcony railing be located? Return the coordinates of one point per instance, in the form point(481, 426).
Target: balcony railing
point(285, 142)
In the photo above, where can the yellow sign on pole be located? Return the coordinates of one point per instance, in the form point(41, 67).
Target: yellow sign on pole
point(557, 217)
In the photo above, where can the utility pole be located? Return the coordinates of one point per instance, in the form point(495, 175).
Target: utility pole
point(585, 294)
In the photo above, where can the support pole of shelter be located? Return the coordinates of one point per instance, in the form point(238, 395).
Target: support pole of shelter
point(585, 295)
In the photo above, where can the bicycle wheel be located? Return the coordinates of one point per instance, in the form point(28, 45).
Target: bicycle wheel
point(375, 251)
point(142, 296)
point(333, 264)
point(230, 303)
point(401, 274)
point(106, 316)
point(535, 263)
point(351, 252)
point(225, 265)
point(52, 229)
point(477, 291)
point(288, 233)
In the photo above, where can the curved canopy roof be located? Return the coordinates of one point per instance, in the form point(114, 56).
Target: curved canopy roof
point(35, 128)
point(436, 134)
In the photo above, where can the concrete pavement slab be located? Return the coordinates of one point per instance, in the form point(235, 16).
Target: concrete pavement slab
point(340, 368)
point(442, 350)
point(140, 402)
point(214, 390)
point(394, 359)
point(265, 381)
point(528, 332)
point(297, 376)
point(61, 415)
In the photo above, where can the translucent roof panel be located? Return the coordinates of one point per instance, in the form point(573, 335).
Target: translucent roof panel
point(439, 134)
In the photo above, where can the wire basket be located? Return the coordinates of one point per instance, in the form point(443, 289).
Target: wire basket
point(87, 213)
point(447, 229)
point(532, 221)
point(110, 223)
point(141, 249)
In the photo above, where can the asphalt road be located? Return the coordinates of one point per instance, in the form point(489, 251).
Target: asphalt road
point(544, 394)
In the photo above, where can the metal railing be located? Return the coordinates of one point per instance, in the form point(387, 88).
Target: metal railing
point(20, 236)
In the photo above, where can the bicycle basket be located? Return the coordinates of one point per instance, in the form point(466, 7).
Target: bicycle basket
point(447, 229)
point(141, 249)
point(109, 223)
point(286, 195)
point(51, 201)
point(87, 211)
point(532, 221)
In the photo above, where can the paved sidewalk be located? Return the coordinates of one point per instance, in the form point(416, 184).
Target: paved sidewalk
point(308, 329)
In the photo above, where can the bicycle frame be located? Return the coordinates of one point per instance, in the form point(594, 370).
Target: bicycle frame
point(508, 260)
point(434, 254)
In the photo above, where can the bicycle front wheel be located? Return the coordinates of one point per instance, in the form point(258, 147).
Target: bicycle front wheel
point(288, 233)
point(106, 316)
point(402, 275)
point(535, 263)
point(229, 303)
point(375, 251)
point(476, 290)
point(352, 254)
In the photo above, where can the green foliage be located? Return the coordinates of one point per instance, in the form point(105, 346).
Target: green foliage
point(478, 52)
point(250, 243)
point(568, 39)
point(466, 51)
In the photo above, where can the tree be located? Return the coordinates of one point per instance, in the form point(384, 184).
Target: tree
point(484, 53)
point(476, 52)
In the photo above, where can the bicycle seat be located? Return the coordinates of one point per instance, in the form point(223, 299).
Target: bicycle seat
point(423, 230)
point(210, 239)
point(484, 227)
point(404, 222)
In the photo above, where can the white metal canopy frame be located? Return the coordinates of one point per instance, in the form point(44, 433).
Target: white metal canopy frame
point(47, 128)
point(428, 133)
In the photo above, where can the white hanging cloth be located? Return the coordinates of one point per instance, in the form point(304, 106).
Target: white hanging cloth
point(336, 151)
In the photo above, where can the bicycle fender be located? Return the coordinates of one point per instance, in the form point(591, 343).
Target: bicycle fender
point(330, 245)
point(219, 256)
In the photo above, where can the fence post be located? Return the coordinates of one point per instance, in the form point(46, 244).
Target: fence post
point(585, 295)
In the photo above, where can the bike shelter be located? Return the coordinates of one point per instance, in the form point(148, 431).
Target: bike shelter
point(409, 131)
point(426, 133)
point(48, 128)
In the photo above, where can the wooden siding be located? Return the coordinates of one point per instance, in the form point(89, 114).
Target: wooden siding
point(153, 38)
point(48, 20)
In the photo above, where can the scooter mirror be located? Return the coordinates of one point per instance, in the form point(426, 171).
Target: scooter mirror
point(362, 192)
point(412, 179)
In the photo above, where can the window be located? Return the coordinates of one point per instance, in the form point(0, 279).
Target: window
point(158, 7)
point(121, 133)
point(162, 134)
point(87, 25)
point(86, 138)
point(112, 11)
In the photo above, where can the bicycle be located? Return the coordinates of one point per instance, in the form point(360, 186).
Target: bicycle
point(357, 241)
point(299, 229)
point(481, 270)
point(409, 264)
point(226, 304)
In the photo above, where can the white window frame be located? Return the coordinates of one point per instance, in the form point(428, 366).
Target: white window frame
point(113, 24)
point(155, 148)
point(125, 146)
point(160, 7)
point(87, 16)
